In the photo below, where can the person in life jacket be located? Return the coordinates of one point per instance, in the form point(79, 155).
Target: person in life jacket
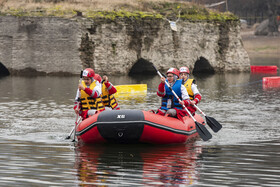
point(191, 87)
point(88, 98)
point(107, 90)
point(170, 105)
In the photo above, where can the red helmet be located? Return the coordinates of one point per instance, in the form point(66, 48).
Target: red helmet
point(173, 71)
point(88, 73)
point(184, 70)
point(97, 77)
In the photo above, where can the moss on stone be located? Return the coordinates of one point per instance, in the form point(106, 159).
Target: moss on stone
point(56, 11)
point(120, 14)
point(161, 10)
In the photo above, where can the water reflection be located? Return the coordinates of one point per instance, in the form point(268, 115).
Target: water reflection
point(141, 164)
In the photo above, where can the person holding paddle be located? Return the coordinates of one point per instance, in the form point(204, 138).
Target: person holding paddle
point(170, 104)
point(88, 98)
point(191, 87)
point(108, 91)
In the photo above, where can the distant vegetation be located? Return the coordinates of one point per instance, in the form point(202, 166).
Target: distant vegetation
point(111, 9)
point(253, 11)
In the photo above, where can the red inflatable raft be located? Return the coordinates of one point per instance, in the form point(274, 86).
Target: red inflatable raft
point(136, 126)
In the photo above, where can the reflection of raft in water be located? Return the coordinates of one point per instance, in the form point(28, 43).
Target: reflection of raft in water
point(129, 164)
point(136, 126)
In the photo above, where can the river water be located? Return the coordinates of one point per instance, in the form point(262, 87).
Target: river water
point(36, 115)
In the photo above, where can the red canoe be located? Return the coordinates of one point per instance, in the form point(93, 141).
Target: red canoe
point(136, 126)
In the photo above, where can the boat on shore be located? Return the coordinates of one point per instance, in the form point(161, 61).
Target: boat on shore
point(136, 126)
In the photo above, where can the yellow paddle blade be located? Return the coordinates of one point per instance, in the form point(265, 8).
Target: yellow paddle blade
point(131, 88)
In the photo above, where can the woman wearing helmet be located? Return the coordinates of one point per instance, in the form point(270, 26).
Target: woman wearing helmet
point(108, 91)
point(88, 99)
point(170, 105)
point(191, 87)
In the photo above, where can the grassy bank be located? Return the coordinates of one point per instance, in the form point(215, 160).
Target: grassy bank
point(111, 9)
point(260, 45)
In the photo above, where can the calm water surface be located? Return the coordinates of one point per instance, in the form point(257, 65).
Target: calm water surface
point(36, 115)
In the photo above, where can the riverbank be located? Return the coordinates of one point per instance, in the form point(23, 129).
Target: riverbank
point(260, 45)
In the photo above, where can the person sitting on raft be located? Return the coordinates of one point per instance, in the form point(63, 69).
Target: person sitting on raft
point(88, 98)
point(191, 87)
point(170, 105)
point(108, 91)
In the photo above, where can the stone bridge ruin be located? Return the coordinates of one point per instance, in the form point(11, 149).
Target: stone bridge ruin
point(49, 45)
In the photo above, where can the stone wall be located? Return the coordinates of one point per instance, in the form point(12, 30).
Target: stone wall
point(55, 45)
point(42, 45)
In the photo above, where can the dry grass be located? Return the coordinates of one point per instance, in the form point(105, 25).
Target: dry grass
point(81, 5)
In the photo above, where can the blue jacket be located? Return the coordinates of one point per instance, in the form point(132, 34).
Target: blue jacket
point(169, 95)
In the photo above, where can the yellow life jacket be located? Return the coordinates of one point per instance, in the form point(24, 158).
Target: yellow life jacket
point(108, 100)
point(88, 102)
point(188, 85)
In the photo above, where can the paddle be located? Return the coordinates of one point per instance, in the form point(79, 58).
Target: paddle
point(69, 136)
point(76, 123)
point(201, 129)
point(211, 122)
point(74, 128)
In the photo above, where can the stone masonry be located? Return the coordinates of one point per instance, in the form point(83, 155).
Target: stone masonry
point(49, 45)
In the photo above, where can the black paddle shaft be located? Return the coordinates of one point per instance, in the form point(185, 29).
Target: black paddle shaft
point(81, 76)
